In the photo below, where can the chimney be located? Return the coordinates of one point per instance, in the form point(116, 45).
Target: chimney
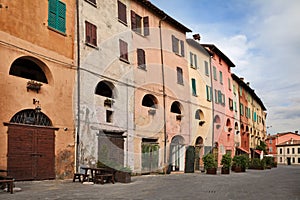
point(242, 79)
point(248, 83)
point(197, 36)
point(296, 132)
point(292, 140)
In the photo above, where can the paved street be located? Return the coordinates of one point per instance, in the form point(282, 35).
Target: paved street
point(278, 183)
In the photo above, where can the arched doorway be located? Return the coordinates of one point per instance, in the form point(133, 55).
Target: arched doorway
point(198, 153)
point(31, 146)
point(177, 152)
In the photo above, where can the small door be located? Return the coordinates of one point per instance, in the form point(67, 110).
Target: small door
point(288, 160)
point(150, 156)
point(190, 160)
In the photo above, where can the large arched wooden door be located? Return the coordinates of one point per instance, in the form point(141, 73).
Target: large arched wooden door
point(31, 147)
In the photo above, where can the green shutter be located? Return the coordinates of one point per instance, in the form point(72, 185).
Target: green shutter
point(61, 17)
point(191, 59)
point(52, 13)
point(220, 96)
point(221, 77)
point(208, 93)
point(57, 15)
point(195, 60)
point(206, 68)
point(194, 87)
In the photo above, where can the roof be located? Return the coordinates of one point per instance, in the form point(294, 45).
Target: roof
point(247, 88)
point(214, 49)
point(160, 13)
point(242, 149)
point(290, 142)
point(198, 46)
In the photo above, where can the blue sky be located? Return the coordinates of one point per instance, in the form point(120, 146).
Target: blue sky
point(262, 38)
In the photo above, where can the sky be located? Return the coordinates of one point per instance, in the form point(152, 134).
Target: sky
point(262, 38)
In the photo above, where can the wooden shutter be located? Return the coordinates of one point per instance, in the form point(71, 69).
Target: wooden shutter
point(179, 75)
point(52, 13)
point(191, 59)
point(94, 34)
point(123, 50)
point(175, 44)
point(122, 12)
point(208, 93)
point(220, 97)
point(195, 60)
point(146, 26)
point(133, 21)
point(206, 67)
point(141, 58)
point(182, 47)
point(194, 92)
point(88, 32)
point(61, 16)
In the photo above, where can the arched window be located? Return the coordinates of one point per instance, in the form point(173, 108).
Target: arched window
point(31, 117)
point(217, 121)
point(28, 68)
point(105, 88)
point(149, 101)
point(228, 123)
point(199, 115)
point(175, 108)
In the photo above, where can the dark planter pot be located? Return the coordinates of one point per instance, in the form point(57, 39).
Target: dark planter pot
point(243, 169)
point(237, 169)
point(211, 171)
point(225, 170)
point(122, 177)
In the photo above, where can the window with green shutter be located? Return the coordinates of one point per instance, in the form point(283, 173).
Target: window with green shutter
point(215, 72)
point(206, 68)
point(208, 93)
point(221, 77)
point(57, 15)
point(194, 92)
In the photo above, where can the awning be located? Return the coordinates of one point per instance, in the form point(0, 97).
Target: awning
point(257, 151)
point(242, 149)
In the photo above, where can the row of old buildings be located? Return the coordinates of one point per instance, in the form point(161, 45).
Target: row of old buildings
point(115, 81)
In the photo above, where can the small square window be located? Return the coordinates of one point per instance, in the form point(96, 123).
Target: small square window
point(123, 50)
point(90, 34)
point(179, 76)
point(122, 15)
point(109, 116)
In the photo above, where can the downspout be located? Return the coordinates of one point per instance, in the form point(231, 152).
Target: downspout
point(78, 89)
point(164, 90)
point(212, 105)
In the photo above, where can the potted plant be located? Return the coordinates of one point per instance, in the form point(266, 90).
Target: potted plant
point(210, 164)
point(34, 85)
point(226, 163)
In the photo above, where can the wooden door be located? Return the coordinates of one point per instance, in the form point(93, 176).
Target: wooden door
point(30, 153)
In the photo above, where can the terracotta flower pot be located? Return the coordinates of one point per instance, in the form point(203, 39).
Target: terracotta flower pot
point(225, 171)
point(211, 171)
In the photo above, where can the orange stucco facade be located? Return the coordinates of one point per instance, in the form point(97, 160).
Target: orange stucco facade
point(25, 37)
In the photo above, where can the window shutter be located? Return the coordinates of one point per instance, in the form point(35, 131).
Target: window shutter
point(146, 26)
point(61, 17)
point(94, 34)
point(206, 68)
point(174, 44)
point(122, 12)
point(88, 33)
point(123, 50)
point(195, 60)
point(52, 13)
point(220, 97)
point(216, 96)
point(141, 58)
point(221, 77)
point(208, 93)
point(191, 59)
point(179, 75)
point(182, 47)
point(194, 87)
point(133, 21)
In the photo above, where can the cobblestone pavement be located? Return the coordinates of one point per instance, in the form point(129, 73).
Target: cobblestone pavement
point(282, 182)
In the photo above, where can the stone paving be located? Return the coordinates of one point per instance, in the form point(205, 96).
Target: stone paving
point(279, 183)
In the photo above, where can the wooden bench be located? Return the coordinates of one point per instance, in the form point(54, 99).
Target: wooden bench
point(104, 174)
point(10, 184)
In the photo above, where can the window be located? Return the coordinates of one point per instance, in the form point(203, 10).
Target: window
point(230, 103)
point(293, 150)
point(288, 150)
point(270, 149)
point(254, 116)
point(208, 93)
point(229, 84)
point(57, 15)
point(235, 107)
point(280, 159)
point(177, 46)
point(242, 109)
point(241, 91)
point(298, 150)
point(193, 60)
point(194, 91)
point(175, 108)
point(179, 76)
point(123, 50)
point(109, 116)
point(215, 73)
point(141, 58)
point(221, 77)
point(293, 160)
point(234, 90)
point(298, 160)
point(199, 114)
point(139, 24)
point(270, 141)
point(90, 34)
point(149, 101)
point(122, 16)
point(206, 68)
point(280, 151)
point(105, 88)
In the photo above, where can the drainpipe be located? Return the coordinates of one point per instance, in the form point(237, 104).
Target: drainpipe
point(164, 89)
point(212, 101)
point(77, 138)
